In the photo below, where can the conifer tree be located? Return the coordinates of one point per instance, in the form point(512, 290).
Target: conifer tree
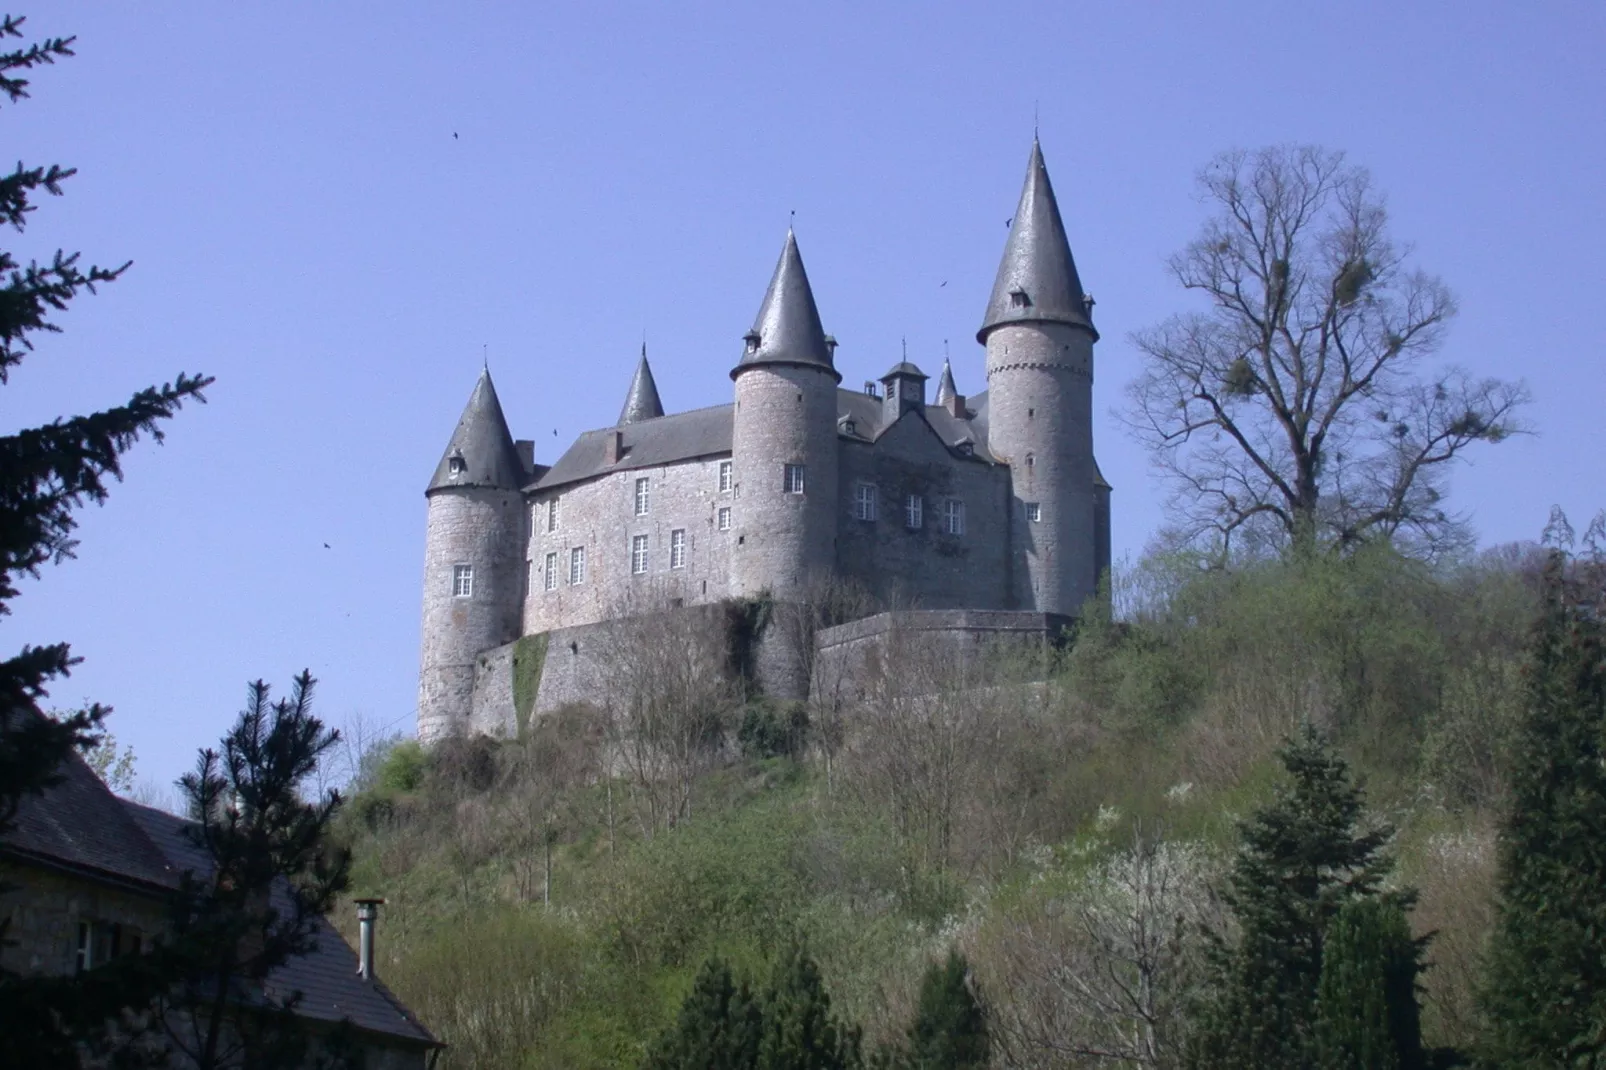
point(1303, 857)
point(1367, 1016)
point(717, 1028)
point(799, 1031)
point(1545, 993)
point(949, 1031)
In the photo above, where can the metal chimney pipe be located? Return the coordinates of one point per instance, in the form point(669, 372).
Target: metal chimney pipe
point(367, 915)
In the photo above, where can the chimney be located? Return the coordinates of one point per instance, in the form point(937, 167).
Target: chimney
point(956, 406)
point(612, 446)
point(526, 452)
point(367, 914)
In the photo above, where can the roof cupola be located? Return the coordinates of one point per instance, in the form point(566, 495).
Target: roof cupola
point(905, 389)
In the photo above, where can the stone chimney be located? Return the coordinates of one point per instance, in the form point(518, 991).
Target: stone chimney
point(956, 406)
point(613, 446)
point(367, 916)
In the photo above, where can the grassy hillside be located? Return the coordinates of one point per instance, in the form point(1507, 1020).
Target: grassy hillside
point(546, 913)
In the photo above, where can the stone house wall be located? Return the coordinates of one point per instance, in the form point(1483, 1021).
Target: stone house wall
point(46, 907)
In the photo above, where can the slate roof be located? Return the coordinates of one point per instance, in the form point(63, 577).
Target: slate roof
point(1037, 262)
point(681, 436)
point(327, 979)
point(945, 384)
point(788, 327)
point(483, 444)
point(641, 402)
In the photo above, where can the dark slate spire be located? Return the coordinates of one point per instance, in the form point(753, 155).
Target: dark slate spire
point(1037, 279)
point(788, 329)
point(642, 402)
point(481, 452)
point(945, 384)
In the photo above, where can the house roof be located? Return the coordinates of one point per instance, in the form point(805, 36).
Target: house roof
point(326, 978)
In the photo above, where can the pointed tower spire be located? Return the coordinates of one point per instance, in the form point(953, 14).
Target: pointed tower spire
point(1037, 280)
point(641, 403)
point(787, 330)
point(481, 452)
point(945, 384)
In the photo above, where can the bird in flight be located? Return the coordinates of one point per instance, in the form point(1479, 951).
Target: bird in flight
point(454, 135)
point(941, 284)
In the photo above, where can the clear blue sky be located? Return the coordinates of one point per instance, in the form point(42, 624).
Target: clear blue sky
point(304, 226)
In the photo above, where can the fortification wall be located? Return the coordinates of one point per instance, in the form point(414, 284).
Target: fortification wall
point(600, 516)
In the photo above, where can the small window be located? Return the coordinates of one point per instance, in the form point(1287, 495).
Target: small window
point(462, 581)
point(1031, 460)
point(638, 555)
point(794, 479)
point(1018, 299)
point(677, 548)
point(99, 942)
point(864, 501)
point(550, 572)
point(551, 515)
point(642, 499)
point(914, 510)
point(953, 516)
point(724, 477)
point(456, 465)
point(577, 565)
point(1034, 512)
point(725, 518)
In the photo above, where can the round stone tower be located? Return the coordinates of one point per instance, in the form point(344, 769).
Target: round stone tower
point(783, 441)
point(1039, 337)
point(474, 571)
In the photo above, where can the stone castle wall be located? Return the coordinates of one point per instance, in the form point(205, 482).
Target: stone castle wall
point(600, 516)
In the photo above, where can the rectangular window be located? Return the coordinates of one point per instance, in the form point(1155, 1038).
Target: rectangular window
point(725, 518)
point(99, 942)
point(551, 570)
point(724, 477)
point(914, 512)
point(462, 581)
point(953, 516)
point(638, 555)
point(551, 515)
point(864, 501)
point(577, 565)
point(1034, 512)
point(677, 548)
point(641, 496)
point(794, 479)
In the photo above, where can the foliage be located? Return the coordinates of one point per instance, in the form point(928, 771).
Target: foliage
point(718, 1027)
point(114, 767)
point(1546, 988)
point(402, 769)
point(1304, 857)
point(773, 729)
point(949, 1031)
point(798, 1030)
point(1366, 1011)
point(529, 658)
point(1293, 411)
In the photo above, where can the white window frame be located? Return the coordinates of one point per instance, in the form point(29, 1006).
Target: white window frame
point(1034, 511)
point(551, 515)
point(953, 516)
point(639, 545)
point(577, 565)
point(864, 501)
point(550, 579)
point(914, 512)
point(726, 478)
point(722, 519)
point(643, 495)
point(792, 478)
point(462, 581)
point(677, 548)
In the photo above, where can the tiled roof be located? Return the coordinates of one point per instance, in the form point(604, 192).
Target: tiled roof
point(481, 452)
point(327, 978)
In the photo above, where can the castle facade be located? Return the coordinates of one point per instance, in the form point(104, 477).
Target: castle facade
point(930, 499)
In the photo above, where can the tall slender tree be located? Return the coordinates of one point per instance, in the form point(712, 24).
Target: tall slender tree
point(1367, 1017)
point(949, 1031)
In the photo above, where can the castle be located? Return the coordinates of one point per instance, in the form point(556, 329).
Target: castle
point(988, 503)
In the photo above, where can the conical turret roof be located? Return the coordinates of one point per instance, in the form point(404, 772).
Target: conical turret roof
point(481, 452)
point(1037, 280)
point(788, 329)
point(642, 402)
point(945, 384)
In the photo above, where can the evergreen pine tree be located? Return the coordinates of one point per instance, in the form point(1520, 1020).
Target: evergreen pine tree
point(949, 1031)
point(717, 1028)
point(1367, 1016)
point(1545, 992)
point(1303, 857)
point(799, 1032)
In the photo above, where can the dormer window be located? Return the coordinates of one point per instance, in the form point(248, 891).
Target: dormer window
point(849, 427)
point(869, 389)
point(752, 339)
point(1018, 299)
point(455, 465)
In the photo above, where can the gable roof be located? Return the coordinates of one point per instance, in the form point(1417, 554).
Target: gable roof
point(331, 990)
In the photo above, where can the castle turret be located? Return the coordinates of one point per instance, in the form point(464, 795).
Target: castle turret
point(783, 441)
point(641, 403)
point(473, 560)
point(1039, 336)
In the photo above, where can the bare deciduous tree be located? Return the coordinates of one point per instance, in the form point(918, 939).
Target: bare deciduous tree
point(1296, 410)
